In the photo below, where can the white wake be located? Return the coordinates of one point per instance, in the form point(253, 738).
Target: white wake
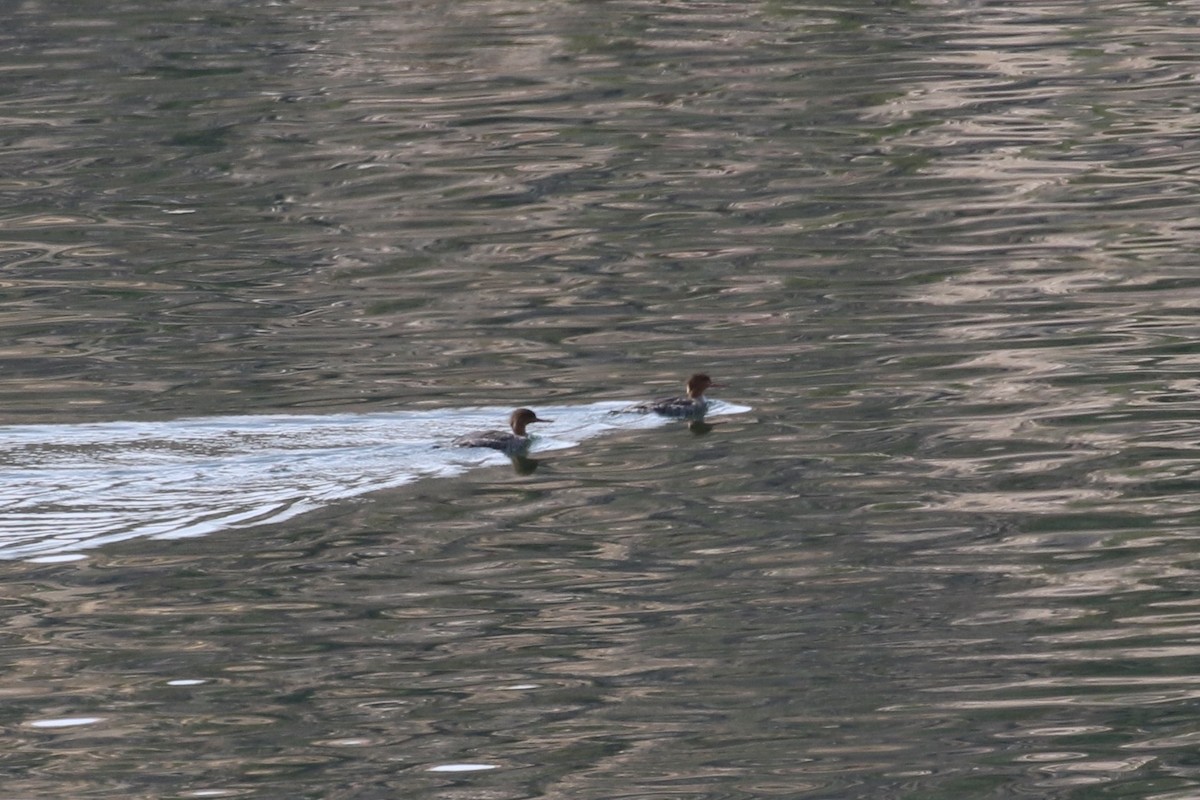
point(67, 488)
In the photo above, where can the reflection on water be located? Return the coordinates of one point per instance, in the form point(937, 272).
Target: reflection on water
point(71, 487)
point(945, 250)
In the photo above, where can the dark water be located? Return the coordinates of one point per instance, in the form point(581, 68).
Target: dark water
point(945, 253)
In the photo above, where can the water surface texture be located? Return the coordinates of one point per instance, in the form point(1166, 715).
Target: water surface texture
point(945, 252)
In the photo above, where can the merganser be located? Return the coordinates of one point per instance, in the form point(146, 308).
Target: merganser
point(694, 404)
point(513, 442)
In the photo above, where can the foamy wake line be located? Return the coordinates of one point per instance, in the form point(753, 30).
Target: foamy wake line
point(67, 488)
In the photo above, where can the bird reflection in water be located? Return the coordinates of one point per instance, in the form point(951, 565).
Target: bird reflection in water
point(524, 465)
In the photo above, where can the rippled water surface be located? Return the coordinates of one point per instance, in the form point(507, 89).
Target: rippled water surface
point(258, 260)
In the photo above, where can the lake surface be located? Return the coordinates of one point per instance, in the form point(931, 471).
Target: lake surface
point(258, 260)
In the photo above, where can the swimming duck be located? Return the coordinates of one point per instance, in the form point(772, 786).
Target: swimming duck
point(693, 404)
point(514, 442)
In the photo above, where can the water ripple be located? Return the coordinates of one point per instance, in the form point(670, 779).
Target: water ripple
point(73, 487)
